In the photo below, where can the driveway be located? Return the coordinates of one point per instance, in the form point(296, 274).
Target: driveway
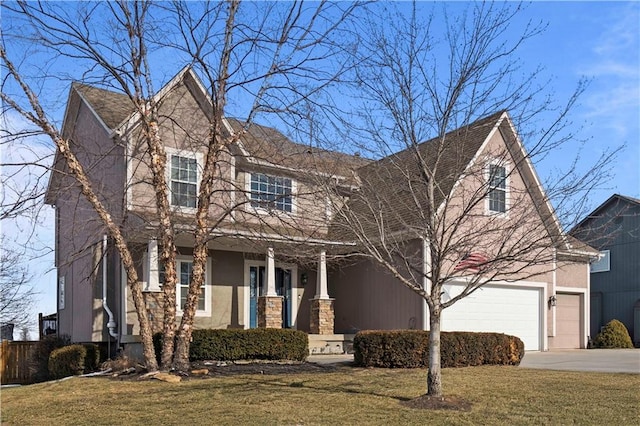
point(604, 360)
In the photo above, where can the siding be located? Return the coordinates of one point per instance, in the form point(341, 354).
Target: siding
point(615, 228)
point(367, 298)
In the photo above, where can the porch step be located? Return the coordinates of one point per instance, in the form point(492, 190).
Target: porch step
point(320, 344)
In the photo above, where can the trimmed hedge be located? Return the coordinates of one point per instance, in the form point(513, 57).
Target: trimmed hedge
point(410, 349)
point(73, 360)
point(40, 357)
point(235, 344)
point(613, 335)
point(67, 361)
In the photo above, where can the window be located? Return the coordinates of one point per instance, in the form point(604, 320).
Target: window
point(603, 264)
point(271, 192)
point(497, 189)
point(184, 269)
point(183, 181)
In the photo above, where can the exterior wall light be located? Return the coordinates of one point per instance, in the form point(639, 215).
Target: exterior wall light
point(553, 301)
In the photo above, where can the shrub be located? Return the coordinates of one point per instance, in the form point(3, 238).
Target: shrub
point(257, 343)
point(92, 359)
point(40, 357)
point(67, 361)
point(613, 335)
point(410, 349)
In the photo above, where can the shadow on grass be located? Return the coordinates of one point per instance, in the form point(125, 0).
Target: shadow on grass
point(281, 381)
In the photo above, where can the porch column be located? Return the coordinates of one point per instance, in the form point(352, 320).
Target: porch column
point(322, 310)
point(152, 292)
point(270, 305)
point(321, 278)
point(153, 280)
point(271, 273)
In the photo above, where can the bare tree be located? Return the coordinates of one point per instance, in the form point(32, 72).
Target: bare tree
point(17, 294)
point(272, 56)
point(434, 209)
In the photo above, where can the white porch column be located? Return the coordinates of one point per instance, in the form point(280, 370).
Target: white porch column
point(321, 278)
point(153, 280)
point(271, 273)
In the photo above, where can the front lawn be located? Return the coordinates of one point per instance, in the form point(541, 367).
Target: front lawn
point(500, 395)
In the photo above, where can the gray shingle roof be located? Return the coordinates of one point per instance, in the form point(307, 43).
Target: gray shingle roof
point(267, 144)
point(394, 190)
point(112, 107)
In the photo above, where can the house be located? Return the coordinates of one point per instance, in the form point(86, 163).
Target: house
point(271, 257)
point(614, 229)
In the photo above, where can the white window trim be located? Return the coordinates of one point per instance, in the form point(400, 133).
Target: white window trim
point(199, 157)
point(207, 287)
point(604, 255)
point(507, 191)
point(262, 210)
point(294, 289)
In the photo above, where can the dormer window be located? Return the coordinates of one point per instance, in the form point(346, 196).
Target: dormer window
point(271, 192)
point(497, 193)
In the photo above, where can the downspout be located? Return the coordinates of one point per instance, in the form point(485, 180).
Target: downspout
point(111, 324)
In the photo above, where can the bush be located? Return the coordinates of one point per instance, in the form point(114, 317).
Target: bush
point(41, 353)
point(410, 349)
point(257, 343)
point(613, 335)
point(93, 357)
point(67, 361)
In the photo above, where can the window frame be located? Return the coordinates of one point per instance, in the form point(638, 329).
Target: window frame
point(256, 204)
point(605, 260)
point(198, 157)
point(206, 293)
point(491, 188)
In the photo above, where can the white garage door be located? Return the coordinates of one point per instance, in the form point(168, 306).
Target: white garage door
point(514, 311)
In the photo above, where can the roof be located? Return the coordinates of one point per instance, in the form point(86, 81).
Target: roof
point(604, 206)
point(268, 146)
point(112, 107)
point(388, 177)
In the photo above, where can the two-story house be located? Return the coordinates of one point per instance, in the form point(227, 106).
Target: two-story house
point(272, 239)
point(614, 229)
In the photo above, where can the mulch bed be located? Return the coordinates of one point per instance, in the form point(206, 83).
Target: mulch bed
point(208, 369)
point(428, 402)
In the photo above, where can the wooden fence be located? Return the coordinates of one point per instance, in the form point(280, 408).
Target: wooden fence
point(14, 362)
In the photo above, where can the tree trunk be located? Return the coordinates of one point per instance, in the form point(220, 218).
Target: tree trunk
point(168, 256)
point(434, 377)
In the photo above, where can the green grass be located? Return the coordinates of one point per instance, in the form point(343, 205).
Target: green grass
point(500, 395)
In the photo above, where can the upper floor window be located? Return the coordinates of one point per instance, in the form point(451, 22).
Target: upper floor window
point(183, 180)
point(497, 193)
point(271, 192)
point(603, 264)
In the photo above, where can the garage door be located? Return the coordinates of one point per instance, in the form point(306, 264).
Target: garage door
point(514, 311)
point(568, 310)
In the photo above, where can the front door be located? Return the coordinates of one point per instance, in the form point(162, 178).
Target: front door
point(258, 287)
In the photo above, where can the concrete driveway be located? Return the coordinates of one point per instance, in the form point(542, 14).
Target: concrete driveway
point(604, 360)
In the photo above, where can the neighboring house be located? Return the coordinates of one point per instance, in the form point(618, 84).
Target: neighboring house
point(272, 219)
point(614, 229)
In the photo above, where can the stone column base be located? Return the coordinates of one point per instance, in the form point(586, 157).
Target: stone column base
point(322, 316)
point(153, 302)
point(270, 311)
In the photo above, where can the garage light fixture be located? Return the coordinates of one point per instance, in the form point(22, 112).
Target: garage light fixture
point(553, 301)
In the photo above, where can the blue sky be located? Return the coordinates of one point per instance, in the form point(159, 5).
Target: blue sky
point(596, 40)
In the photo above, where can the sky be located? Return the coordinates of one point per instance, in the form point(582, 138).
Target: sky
point(599, 41)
